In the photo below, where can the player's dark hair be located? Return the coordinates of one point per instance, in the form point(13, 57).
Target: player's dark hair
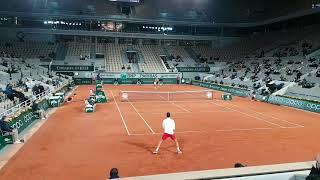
point(114, 173)
point(238, 165)
point(168, 114)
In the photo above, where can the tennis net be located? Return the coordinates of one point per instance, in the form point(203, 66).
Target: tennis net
point(166, 96)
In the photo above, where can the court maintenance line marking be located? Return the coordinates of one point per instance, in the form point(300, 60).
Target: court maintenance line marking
point(297, 125)
point(123, 121)
point(249, 115)
point(142, 118)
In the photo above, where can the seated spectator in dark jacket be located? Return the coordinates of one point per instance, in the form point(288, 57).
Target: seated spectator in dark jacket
point(9, 92)
point(4, 125)
point(315, 170)
point(35, 89)
point(114, 173)
point(41, 89)
point(8, 130)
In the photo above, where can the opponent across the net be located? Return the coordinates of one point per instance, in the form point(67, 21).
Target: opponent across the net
point(166, 96)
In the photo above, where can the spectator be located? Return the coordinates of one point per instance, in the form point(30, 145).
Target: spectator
point(9, 92)
point(4, 125)
point(114, 173)
point(318, 73)
point(35, 90)
point(8, 130)
point(41, 89)
point(315, 170)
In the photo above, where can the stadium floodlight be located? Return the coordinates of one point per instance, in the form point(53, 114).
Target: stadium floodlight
point(45, 22)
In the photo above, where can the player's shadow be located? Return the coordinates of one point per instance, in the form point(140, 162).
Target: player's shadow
point(149, 148)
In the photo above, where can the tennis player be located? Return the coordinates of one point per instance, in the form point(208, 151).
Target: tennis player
point(155, 82)
point(168, 126)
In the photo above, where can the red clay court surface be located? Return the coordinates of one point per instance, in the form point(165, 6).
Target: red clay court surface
point(213, 134)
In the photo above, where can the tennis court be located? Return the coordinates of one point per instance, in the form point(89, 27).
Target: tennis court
point(212, 133)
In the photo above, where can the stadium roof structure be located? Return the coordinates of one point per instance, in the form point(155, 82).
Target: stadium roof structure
point(46, 16)
point(240, 13)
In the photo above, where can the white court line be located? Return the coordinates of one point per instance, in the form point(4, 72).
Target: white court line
point(255, 117)
point(123, 121)
point(186, 101)
point(142, 118)
point(184, 109)
point(181, 132)
point(249, 129)
point(185, 112)
point(298, 125)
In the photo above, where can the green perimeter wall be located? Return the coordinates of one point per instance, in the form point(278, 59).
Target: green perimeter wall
point(279, 100)
point(23, 120)
point(84, 81)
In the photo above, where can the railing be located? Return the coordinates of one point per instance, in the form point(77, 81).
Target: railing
point(28, 102)
point(24, 104)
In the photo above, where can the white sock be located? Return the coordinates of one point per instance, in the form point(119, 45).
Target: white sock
point(157, 149)
point(178, 149)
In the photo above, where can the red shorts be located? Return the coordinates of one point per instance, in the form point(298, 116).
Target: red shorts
point(165, 136)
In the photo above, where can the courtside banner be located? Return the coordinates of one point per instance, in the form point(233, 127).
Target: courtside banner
point(67, 68)
point(23, 120)
point(296, 103)
point(139, 75)
point(2, 142)
point(219, 87)
point(193, 69)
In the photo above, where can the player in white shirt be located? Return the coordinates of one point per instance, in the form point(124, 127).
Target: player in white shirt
point(168, 126)
point(155, 83)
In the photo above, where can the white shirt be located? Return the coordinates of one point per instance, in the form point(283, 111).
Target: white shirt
point(168, 126)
